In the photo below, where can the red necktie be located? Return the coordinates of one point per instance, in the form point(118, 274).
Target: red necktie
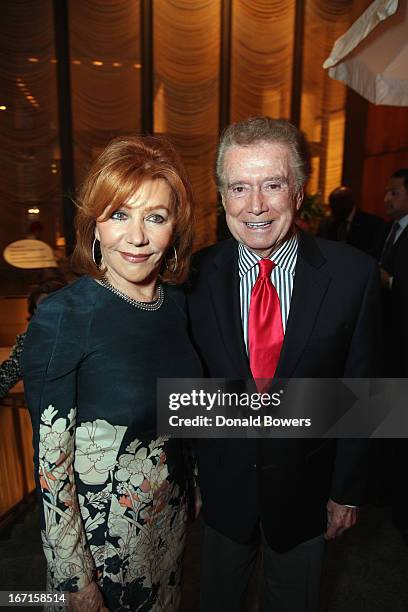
point(265, 330)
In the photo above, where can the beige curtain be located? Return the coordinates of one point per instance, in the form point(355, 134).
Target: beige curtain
point(323, 100)
point(186, 42)
point(105, 74)
point(29, 143)
point(262, 58)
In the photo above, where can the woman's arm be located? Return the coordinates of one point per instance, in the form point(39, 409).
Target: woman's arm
point(10, 372)
point(50, 363)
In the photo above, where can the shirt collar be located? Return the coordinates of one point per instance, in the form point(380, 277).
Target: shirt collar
point(285, 257)
point(403, 222)
point(351, 216)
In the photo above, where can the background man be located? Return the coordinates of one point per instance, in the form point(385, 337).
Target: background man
point(394, 278)
point(394, 273)
point(346, 223)
point(323, 322)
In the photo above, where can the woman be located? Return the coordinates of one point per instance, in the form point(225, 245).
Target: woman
point(114, 496)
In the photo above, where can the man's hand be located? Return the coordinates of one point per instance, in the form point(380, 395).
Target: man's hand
point(197, 502)
point(88, 599)
point(339, 518)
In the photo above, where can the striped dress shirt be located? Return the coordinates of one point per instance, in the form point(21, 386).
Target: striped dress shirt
point(281, 277)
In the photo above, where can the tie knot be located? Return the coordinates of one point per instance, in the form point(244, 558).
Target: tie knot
point(265, 268)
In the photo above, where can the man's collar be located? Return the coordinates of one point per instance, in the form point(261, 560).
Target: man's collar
point(351, 216)
point(284, 257)
point(403, 222)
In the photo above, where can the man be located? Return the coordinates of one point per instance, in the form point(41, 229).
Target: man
point(346, 223)
point(394, 274)
point(394, 279)
point(276, 491)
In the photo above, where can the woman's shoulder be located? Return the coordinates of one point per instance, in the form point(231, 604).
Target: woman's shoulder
point(60, 326)
point(79, 295)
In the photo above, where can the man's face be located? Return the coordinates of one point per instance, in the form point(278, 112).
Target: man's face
point(259, 196)
point(396, 198)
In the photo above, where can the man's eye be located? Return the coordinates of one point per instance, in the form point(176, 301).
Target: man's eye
point(271, 186)
point(238, 189)
point(119, 215)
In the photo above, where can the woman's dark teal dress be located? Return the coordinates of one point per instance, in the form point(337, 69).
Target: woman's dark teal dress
point(113, 495)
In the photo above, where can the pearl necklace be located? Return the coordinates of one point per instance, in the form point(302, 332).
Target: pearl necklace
point(155, 305)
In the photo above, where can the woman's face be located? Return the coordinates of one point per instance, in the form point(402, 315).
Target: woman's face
point(135, 238)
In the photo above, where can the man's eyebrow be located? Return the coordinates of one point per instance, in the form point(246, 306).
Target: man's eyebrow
point(234, 183)
point(277, 179)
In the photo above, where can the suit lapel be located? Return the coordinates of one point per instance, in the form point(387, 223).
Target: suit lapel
point(310, 285)
point(224, 290)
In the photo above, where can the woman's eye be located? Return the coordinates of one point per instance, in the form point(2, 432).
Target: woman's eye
point(119, 215)
point(156, 218)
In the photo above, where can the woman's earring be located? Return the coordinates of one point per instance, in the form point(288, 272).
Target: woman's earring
point(174, 262)
point(93, 252)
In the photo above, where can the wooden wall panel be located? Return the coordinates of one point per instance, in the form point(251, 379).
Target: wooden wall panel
point(377, 170)
point(17, 470)
point(386, 150)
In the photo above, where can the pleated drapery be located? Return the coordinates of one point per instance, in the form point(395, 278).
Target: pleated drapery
point(107, 90)
point(186, 43)
point(105, 75)
point(30, 192)
point(323, 100)
point(261, 58)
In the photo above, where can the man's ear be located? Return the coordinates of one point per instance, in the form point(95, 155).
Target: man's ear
point(299, 198)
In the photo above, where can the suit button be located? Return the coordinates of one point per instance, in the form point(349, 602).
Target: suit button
point(255, 466)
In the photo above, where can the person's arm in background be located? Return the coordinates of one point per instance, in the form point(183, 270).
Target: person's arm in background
point(50, 361)
point(10, 372)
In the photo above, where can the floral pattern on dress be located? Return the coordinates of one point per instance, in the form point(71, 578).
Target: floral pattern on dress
point(64, 542)
point(127, 526)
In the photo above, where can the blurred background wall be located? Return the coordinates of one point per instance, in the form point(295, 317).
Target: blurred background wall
point(76, 73)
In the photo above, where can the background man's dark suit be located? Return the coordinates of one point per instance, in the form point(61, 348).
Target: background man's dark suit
point(365, 232)
point(346, 223)
point(396, 308)
point(332, 331)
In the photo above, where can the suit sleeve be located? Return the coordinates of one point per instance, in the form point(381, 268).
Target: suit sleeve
point(51, 358)
point(400, 308)
point(354, 457)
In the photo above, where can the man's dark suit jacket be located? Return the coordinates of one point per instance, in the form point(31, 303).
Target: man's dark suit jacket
point(366, 232)
point(396, 308)
point(332, 331)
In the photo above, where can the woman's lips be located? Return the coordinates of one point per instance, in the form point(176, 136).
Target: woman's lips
point(132, 258)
